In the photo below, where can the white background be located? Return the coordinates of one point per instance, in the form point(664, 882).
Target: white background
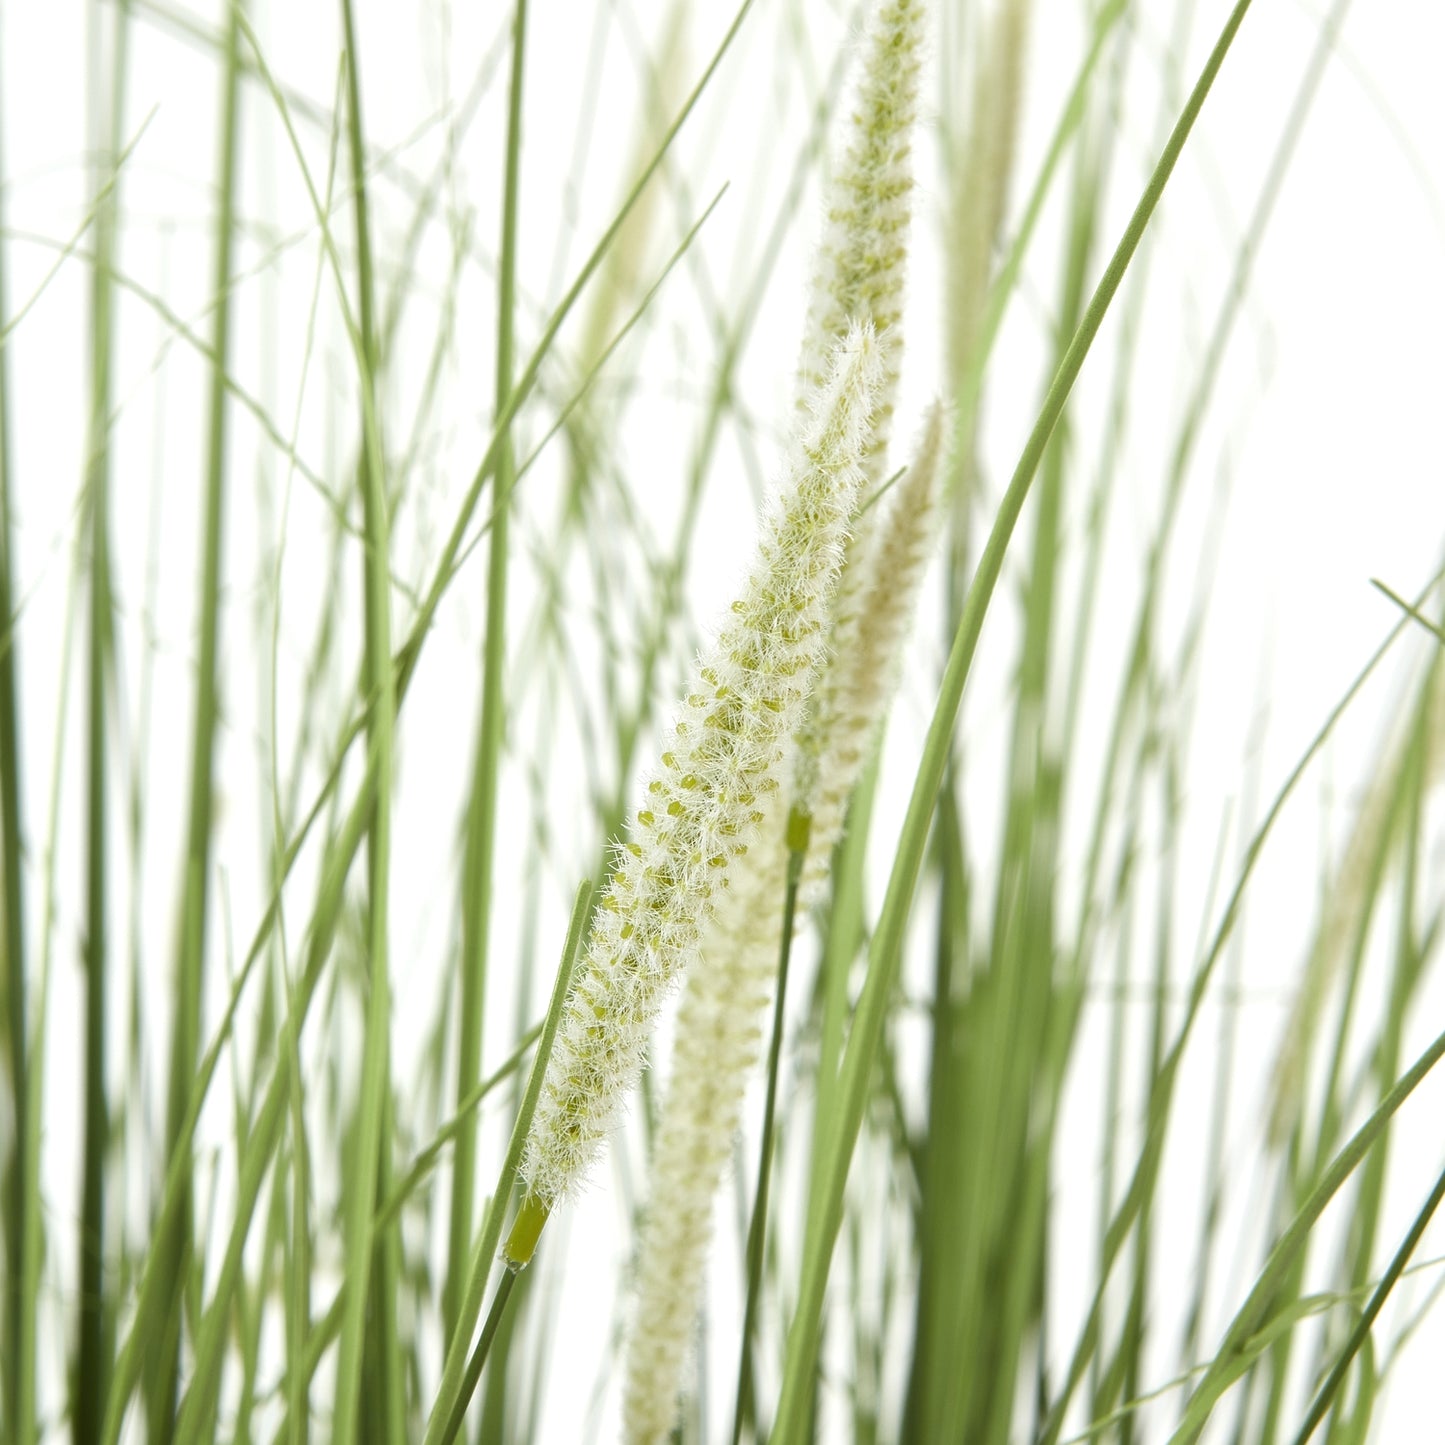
point(1320, 462)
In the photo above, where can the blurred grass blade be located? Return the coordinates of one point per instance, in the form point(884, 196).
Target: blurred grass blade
point(1235, 1353)
point(1360, 1334)
point(1414, 612)
point(1142, 1183)
point(17, 1193)
point(174, 1246)
point(92, 1363)
point(373, 1140)
point(482, 813)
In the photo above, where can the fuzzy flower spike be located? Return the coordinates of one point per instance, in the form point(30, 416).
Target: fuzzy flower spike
point(720, 1026)
point(862, 680)
point(863, 251)
point(858, 276)
point(702, 807)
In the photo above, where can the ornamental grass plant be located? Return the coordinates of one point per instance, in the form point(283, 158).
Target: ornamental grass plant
point(684, 753)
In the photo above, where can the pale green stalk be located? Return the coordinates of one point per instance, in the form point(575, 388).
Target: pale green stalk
point(373, 1142)
point(18, 1321)
point(174, 1246)
point(482, 814)
point(91, 1364)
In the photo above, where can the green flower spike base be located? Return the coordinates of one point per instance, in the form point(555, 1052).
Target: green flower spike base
point(526, 1230)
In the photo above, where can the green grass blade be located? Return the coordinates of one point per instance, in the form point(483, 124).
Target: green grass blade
point(1246, 1334)
point(305, 1361)
point(373, 1142)
point(102, 201)
point(1414, 612)
point(970, 384)
point(745, 1404)
point(493, 1323)
point(1162, 1085)
point(253, 1165)
point(91, 1364)
point(482, 813)
point(996, 1109)
point(448, 562)
point(1359, 1335)
point(211, 1334)
point(174, 1246)
point(888, 938)
point(17, 1365)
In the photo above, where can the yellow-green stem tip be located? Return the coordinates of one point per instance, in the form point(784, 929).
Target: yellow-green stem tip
point(526, 1230)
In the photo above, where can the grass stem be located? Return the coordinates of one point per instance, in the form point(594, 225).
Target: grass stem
point(478, 1359)
point(797, 841)
point(482, 812)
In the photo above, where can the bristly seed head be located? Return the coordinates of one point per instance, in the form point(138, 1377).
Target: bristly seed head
point(858, 278)
point(746, 700)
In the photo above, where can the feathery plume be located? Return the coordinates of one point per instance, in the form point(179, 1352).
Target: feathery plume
point(720, 1025)
point(718, 1043)
point(860, 273)
point(977, 201)
point(861, 680)
point(702, 808)
point(858, 277)
point(975, 209)
point(862, 255)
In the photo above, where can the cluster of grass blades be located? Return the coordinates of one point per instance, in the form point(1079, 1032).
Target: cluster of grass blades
point(298, 1096)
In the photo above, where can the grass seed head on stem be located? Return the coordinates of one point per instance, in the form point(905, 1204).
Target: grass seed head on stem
point(724, 755)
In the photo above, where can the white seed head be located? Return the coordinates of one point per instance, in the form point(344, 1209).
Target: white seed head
point(721, 1024)
point(859, 273)
point(860, 678)
point(858, 277)
point(979, 189)
point(862, 255)
point(719, 1040)
point(702, 807)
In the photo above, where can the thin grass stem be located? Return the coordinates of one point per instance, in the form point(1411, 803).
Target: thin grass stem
point(20, 1319)
point(174, 1246)
point(91, 1364)
point(1250, 1323)
point(478, 1359)
point(745, 1406)
point(482, 812)
point(372, 1144)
